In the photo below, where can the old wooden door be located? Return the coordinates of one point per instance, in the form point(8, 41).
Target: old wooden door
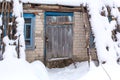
point(59, 35)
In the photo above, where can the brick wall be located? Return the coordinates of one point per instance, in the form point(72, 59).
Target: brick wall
point(38, 51)
point(79, 40)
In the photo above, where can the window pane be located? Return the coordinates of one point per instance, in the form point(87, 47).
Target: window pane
point(27, 42)
point(92, 45)
point(27, 20)
point(54, 19)
point(50, 19)
point(28, 31)
point(64, 18)
point(70, 18)
point(110, 18)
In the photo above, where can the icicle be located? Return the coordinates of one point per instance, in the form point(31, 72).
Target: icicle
point(1, 20)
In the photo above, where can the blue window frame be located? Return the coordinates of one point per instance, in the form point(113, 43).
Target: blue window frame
point(59, 13)
point(29, 30)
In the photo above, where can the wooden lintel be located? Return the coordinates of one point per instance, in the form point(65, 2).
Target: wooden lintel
point(60, 23)
point(55, 8)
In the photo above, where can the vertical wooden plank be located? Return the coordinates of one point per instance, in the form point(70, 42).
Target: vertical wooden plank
point(65, 36)
point(55, 41)
point(60, 41)
point(52, 36)
point(63, 40)
point(57, 46)
point(51, 43)
point(67, 41)
point(48, 42)
point(70, 35)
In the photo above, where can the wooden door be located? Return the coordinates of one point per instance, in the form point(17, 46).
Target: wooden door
point(59, 37)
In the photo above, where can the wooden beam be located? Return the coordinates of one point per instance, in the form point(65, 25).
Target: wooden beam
point(60, 23)
point(54, 8)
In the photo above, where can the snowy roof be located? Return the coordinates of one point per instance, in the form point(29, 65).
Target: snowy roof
point(58, 2)
point(70, 2)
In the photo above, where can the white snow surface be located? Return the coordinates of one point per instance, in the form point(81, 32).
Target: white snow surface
point(69, 2)
point(10, 51)
point(69, 72)
point(19, 69)
point(15, 69)
point(84, 72)
point(103, 72)
point(59, 2)
point(40, 70)
point(102, 30)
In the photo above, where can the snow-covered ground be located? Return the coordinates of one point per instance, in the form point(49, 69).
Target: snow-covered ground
point(19, 69)
point(103, 72)
point(69, 72)
point(84, 72)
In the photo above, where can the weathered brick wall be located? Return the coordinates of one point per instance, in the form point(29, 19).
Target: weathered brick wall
point(38, 52)
point(79, 40)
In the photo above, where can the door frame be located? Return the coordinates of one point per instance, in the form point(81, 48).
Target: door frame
point(52, 13)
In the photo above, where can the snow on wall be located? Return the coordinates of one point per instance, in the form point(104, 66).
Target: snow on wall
point(112, 2)
point(10, 50)
point(71, 2)
point(18, 13)
point(102, 29)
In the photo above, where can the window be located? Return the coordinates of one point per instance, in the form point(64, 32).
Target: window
point(29, 30)
point(59, 18)
point(110, 18)
point(92, 43)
